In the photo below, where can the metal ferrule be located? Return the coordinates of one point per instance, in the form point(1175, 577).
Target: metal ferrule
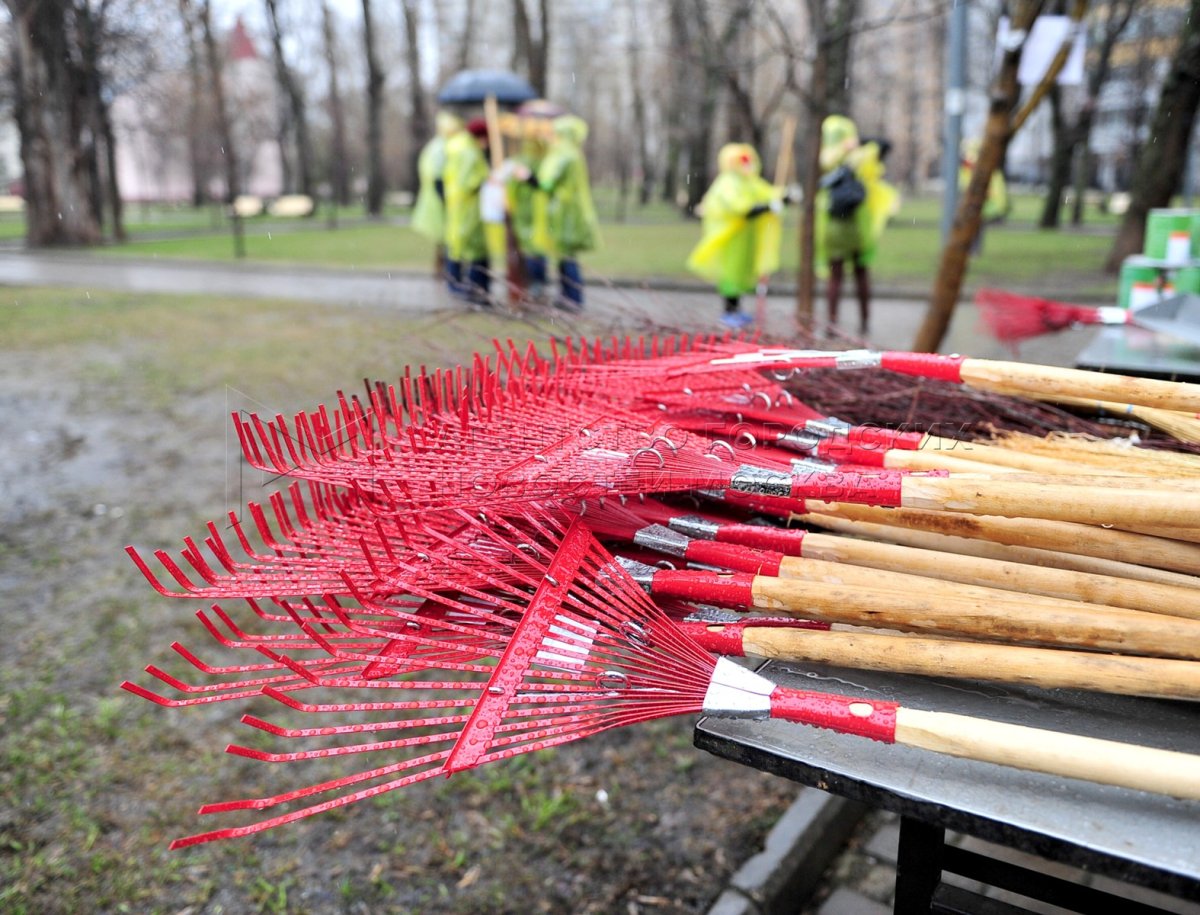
point(638, 571)
point(813, 465)
point(713, 615)
point(827, 427)
point(695, 526)
point(717, 495)
point(858, 359)
point(662, 540)
point(799, 441)
point(735, 692)
point(761, 482)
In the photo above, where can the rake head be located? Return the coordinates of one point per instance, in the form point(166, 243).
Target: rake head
point(1011, 318)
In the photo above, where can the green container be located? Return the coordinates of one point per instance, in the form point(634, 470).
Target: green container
point(1144, 280)
point(1187, 279)
point(1171, 235)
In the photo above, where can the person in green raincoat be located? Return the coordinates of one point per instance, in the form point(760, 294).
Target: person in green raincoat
point(429, 211)
point(851, 170)
point(528, 203)
point(571, 224)
point(741, 230)
point(467, 268)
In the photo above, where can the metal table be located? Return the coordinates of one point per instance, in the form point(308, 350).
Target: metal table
point(1132, 836)
point(1132, 350)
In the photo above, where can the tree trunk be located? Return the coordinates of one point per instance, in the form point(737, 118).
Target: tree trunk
point(1163, 159)
point(59, 209)
point(679, 98)
point(224, 129)
point(837, 30)
point(338, 173)
point(1066, 140)
point(375, 76)
point(467, 36)
point(530, 51)
point(419, 126)
point(645, 166)
point(806, 273)
point(967, 219)
point(294, 98)
point(194, 95)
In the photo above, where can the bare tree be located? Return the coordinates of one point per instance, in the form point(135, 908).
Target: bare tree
point(216, 85)
point(375, 79)
point(832, 23)
point(295, 119)
point(1071, 136)
point(338, 172)
point(419, 126)
point(640, 126)
point(94, 38)
point(195, 94)
point(531, 47)
point(58, 182)
point(1163, 159)
point(1003, 121)
point(467, 36)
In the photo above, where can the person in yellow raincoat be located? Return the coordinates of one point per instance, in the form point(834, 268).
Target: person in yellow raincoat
point(571, 224)
point(528, 203)
point(467, 269)
point(741, 230)
point(429, 211)
point(852, 208)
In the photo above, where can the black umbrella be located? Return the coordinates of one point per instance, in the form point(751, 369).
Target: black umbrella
point(470, 87)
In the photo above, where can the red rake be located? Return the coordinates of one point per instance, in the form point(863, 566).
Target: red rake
point(984, 374)
point(589, 653)
point(1011, 317)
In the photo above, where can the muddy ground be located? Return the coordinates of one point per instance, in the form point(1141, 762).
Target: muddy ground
point(115, 410)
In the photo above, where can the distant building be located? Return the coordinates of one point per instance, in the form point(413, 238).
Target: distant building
point(152, 124)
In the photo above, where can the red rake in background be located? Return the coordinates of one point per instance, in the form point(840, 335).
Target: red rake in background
point(589, 653)
point(1011, 317)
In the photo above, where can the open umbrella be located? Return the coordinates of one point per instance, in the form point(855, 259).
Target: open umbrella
point(470, 87)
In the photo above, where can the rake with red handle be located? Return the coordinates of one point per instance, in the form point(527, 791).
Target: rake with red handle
point(984, 374)
point(1011, 317)
point(734, 636)
point(870, 553)
point(486, 464)
point(589, 653)
point(742, 396)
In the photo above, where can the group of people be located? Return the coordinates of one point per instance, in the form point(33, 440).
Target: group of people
point(742, 228)
point(538, 200)
point(534, 206)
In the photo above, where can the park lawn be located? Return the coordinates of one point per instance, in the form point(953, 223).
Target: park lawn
point(1061, 262)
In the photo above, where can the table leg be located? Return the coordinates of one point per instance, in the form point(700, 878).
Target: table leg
point(918, 865)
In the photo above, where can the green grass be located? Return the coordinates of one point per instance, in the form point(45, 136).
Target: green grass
point(908, 254)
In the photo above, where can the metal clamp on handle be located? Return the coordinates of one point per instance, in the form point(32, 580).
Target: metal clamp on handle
point(762, 482)
point(662, 539)
point(695, 526)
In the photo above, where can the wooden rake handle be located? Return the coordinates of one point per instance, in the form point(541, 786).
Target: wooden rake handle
point(1043, 380)
point(1048, 668)
point(1109, 505)
point(1099, 628)
point(1032, 749)
point(1106, 762)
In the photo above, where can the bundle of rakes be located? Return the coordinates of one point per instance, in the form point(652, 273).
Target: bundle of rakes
point(474, 558)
